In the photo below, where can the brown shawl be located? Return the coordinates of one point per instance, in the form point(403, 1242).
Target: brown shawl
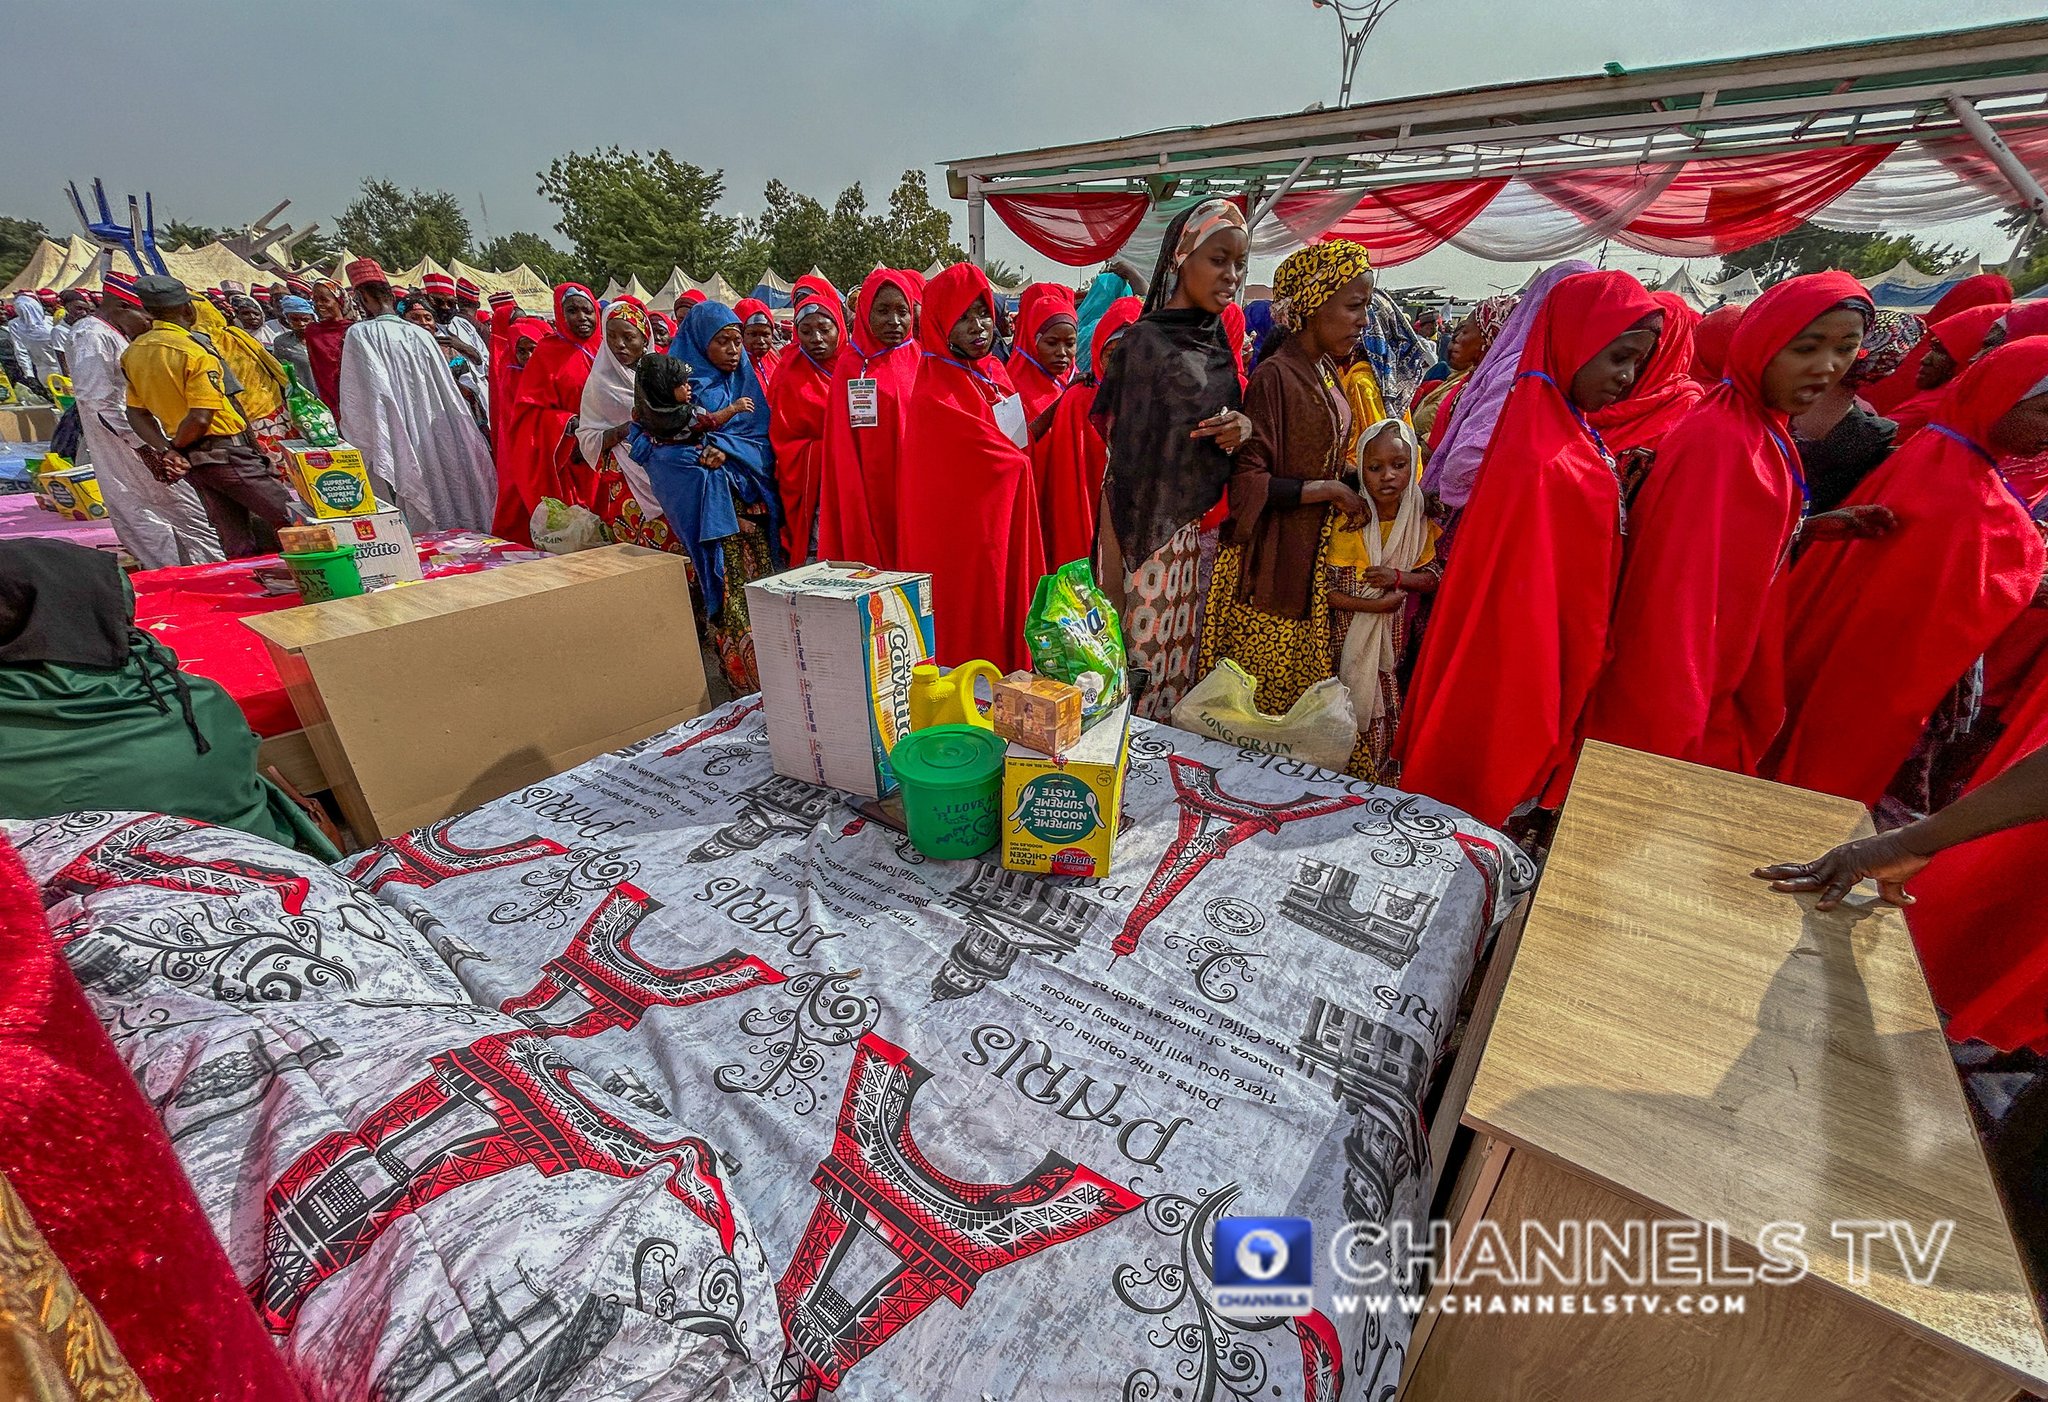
point(1298, 441)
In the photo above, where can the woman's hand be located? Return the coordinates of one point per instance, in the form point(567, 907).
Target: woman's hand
point(1865, 522)
point(1340, 495)
point(1230, 429)
point(1883, 858)
point(1383, 577)
point(710, 456)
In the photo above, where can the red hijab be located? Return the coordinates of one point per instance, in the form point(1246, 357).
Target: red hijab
point(1710, 343)
point(1520, 627)
point(765, 366)
point(1962, 336)
point(1233, 334)
point(323, 353)
point(1698, 663)
point(796, 428)
point(1070, 458)
point(857, 497)
point(1902, 384)
point(1042, 304)
point(1881, 629)
point(809, 287)
point(538, 455)
point(1666, 391)
point(966, 502)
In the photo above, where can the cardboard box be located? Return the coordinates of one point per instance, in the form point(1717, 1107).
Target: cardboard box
point(421, 703)
point(27, 423)
point(75, 493)
point(385, 553)
point(1039, 713)
point(835, 643)
point(332, 482)
point(1060, 816)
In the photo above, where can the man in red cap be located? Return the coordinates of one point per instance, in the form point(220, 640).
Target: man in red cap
point(441, 291)
point(159, 523)
point(399, 404)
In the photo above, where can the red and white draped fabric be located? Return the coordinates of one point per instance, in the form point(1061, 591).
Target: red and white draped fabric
point(1688, 209)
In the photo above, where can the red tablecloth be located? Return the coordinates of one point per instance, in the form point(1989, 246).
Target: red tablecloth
point(197, 612)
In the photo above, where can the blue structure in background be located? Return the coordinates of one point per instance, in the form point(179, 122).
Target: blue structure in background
point(136, 238)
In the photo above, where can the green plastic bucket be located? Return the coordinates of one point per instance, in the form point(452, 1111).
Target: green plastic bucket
point(952, 778)
point(326, 574)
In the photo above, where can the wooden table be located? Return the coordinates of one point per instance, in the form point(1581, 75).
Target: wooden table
point(424, 701)
point(1678, 1042)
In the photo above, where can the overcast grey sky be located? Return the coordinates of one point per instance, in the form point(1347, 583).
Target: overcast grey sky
point(231, 105)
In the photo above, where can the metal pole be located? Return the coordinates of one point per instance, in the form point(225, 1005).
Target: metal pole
point(2018, 176)
point(977, 223)
point(1266, 205)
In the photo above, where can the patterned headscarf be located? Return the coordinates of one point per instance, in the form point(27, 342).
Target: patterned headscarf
point(1205, 219)
point(1885, 346)
point(1399, 355)
point(634, 314)
point(1311, 276)
point(1492, 314)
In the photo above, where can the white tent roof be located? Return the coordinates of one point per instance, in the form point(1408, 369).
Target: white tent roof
point(1740, 290)
point(775, 282)
point(719, 290)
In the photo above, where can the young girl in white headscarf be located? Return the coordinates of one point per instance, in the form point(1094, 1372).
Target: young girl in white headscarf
point(1372, 570)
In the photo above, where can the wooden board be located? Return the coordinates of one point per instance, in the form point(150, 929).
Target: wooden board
point(1674, 1029)
point(425, 701)
point(1802, 1343)
point(292, 754)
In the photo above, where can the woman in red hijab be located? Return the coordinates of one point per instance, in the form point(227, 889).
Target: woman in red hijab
point(809, 286)
point(1520, 626)
point(967, 508)
point(1902, 384)
point(757, 334)
point(1042, 358)
point(1948, 346)
point(1697, 670)
point(1881, 629)
point(864, 422)
point(796, 420)
point(1070, 458)
point(541, 458)
point(323, 338)
point(1664, 394)
point(1710, 343)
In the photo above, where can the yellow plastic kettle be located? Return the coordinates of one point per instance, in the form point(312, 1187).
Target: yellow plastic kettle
point(948, 699)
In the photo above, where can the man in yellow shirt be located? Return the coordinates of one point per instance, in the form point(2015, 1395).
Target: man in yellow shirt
point(191, 429)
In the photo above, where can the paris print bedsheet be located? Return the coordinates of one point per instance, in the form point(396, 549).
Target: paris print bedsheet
point(696, 1082)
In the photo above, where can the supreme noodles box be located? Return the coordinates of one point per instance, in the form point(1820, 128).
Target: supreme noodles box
point(835, 643)
point(1060, 816)
point(333, 482)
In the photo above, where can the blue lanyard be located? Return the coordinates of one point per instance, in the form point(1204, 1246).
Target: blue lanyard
point(1591, 432)
point(1946, 432)
point(1797, 469)
point(866, 359)
point(1058, 383)
point(1001, 393)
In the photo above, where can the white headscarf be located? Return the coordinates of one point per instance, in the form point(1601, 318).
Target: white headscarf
point(1369, 645)
point(607, 403)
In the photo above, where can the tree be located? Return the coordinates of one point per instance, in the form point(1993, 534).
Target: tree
point(1002, 274)
point(847, 241)
point(507, 251)
point(400, 227)
point(918, 235)
point(630, 213)
point(316, 249)
point(797, 233)
point(2028, 271)
point(19, 239)
point(179, 234)
point(1812, 249)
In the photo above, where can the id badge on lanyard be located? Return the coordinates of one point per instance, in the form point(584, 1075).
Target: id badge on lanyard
point(863, 402)
point(1009, 412)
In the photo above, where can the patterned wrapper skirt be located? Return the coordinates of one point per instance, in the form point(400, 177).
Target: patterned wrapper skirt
point(1163, 620)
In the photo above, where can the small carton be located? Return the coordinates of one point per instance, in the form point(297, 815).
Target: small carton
point(333, 482)
point(1060, 816)
point(1039, 713)
point(385, 553)
point(305, 540)
point(835, 643)
point(75, 493)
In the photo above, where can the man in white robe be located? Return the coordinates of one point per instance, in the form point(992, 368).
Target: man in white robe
point(31, 331)
point(401, 408)
point(160, 524)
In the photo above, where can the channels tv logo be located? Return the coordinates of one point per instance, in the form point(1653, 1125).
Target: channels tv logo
point(1263, 1266)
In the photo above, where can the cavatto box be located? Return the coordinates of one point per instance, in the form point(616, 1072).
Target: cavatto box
point(331, 481)
point(835, 644)
point(1060, 816)
point(385, 553)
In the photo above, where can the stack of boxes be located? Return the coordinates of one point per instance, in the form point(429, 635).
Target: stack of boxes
point(335, 487)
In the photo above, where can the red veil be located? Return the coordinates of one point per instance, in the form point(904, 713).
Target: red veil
point(535, 462)
point(808, 287)
point(765, 366)
point(1520, 628)
point(1666, 390)
point(1698, 664)
point(1070, 458)
point(1041, 303)
point(857, 496)
point(1881, 629)
point(1962, 336)
point(1896, 388)
point(796, 428)
point(967, 508)
point(1710, 343)
point(323, 354)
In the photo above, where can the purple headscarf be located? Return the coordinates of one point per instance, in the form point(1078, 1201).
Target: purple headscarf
point(1454, 466)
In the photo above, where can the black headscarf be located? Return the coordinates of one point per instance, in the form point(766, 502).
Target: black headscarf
point(655, 381)
point(1172, 369)
point(62, 603)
